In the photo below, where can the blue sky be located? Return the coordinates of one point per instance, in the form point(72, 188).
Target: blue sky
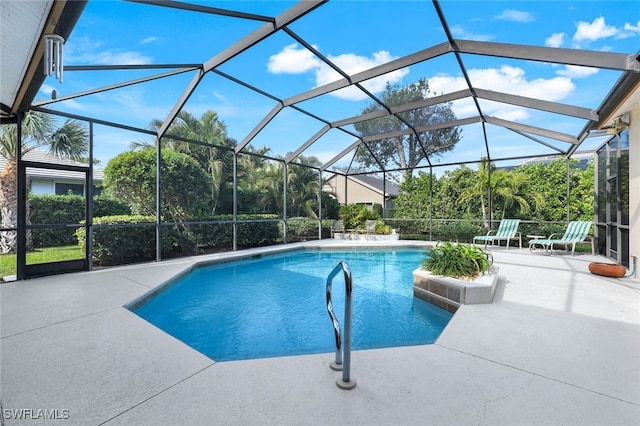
point(355, 35)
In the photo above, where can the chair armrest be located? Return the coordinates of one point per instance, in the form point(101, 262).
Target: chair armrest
point(551, 236)
point(489, 233)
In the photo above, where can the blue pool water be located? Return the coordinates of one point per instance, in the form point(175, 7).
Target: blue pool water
point(275, 305)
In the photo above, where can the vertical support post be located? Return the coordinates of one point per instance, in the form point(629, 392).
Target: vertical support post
point(88, 219)
point(346, 201)
point(158, 199)
point(284, 202)
point(568, 190)
point(384, 194)
point(618, 194)
point(319, 204)
point(489, 195)
point(235, 201)
point(430, 203)
point(21, 208)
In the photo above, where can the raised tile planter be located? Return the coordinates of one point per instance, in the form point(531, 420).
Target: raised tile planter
point(450, 293)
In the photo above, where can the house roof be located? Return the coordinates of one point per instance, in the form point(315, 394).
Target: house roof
point(392, 190)
point(39, 156)
point(374, 183)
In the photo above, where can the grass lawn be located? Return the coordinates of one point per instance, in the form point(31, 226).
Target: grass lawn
point(42, 255)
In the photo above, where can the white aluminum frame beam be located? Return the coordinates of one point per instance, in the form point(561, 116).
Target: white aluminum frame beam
point(539, 104)
point(562, 137)
point(554, 55)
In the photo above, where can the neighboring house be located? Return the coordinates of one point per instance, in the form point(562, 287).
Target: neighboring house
point(52, 181)
point(363, 189)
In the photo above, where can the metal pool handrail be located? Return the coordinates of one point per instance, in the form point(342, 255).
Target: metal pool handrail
point(343, 357)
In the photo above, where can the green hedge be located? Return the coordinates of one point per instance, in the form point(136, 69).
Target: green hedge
point(125, 244)
point(256, 234)
point(117, 245)
point(304, 228)
point(50, 209)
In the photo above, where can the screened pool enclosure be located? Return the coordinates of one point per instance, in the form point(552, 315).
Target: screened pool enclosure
point(226, 137)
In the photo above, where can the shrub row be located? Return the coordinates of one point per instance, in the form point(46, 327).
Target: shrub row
point(121, 243)
point(130, 239)
point(51, 209)
point(303, 229)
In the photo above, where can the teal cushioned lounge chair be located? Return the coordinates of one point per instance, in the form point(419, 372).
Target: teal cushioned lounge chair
point(507, 231)
point(577, 232)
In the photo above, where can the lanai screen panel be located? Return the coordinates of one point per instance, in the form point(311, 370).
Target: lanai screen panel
point(329, 145)
point(508, 144)
point(284, 133)
point(239, 108)
point(129, 97)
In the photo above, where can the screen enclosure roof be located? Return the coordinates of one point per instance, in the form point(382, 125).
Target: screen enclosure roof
point(297, 80)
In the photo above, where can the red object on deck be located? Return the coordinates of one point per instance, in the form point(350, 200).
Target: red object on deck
point(607, 269)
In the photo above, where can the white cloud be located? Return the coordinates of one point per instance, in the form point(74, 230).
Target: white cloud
point(219, 96)
point(148, 40)
point(297, 60)
point(292, 60)
point(515, 15)
point(497, 79)
point(631, 27)
point(573, 71)
point(554, 40)
point(594, 31)
point(87, 51)
point(460, 32)
point(118, 57)
point(629, 30)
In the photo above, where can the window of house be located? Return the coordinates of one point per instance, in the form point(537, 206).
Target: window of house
point(69, 188)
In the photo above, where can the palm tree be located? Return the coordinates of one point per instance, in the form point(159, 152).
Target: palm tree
point(480, 190)
point(512, 188)
point(302, 189)
point(252, 189)
point(38, 130)
point(210, 130)
point(509, 188)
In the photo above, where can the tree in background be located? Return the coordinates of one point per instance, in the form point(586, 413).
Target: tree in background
point(185, 186)
point(479, 190)
point(532, 192)
point(513, 196)
point(69, 141)
point(414, 201)
point(406, 151)
point(550, 181)
point(213, 153)
point(302, 188)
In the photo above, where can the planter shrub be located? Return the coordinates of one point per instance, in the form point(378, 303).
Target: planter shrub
point(456, 260)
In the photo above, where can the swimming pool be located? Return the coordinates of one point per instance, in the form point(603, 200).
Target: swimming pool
point(275, 305)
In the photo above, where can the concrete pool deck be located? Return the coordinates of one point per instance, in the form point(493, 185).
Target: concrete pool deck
point(558, 346)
